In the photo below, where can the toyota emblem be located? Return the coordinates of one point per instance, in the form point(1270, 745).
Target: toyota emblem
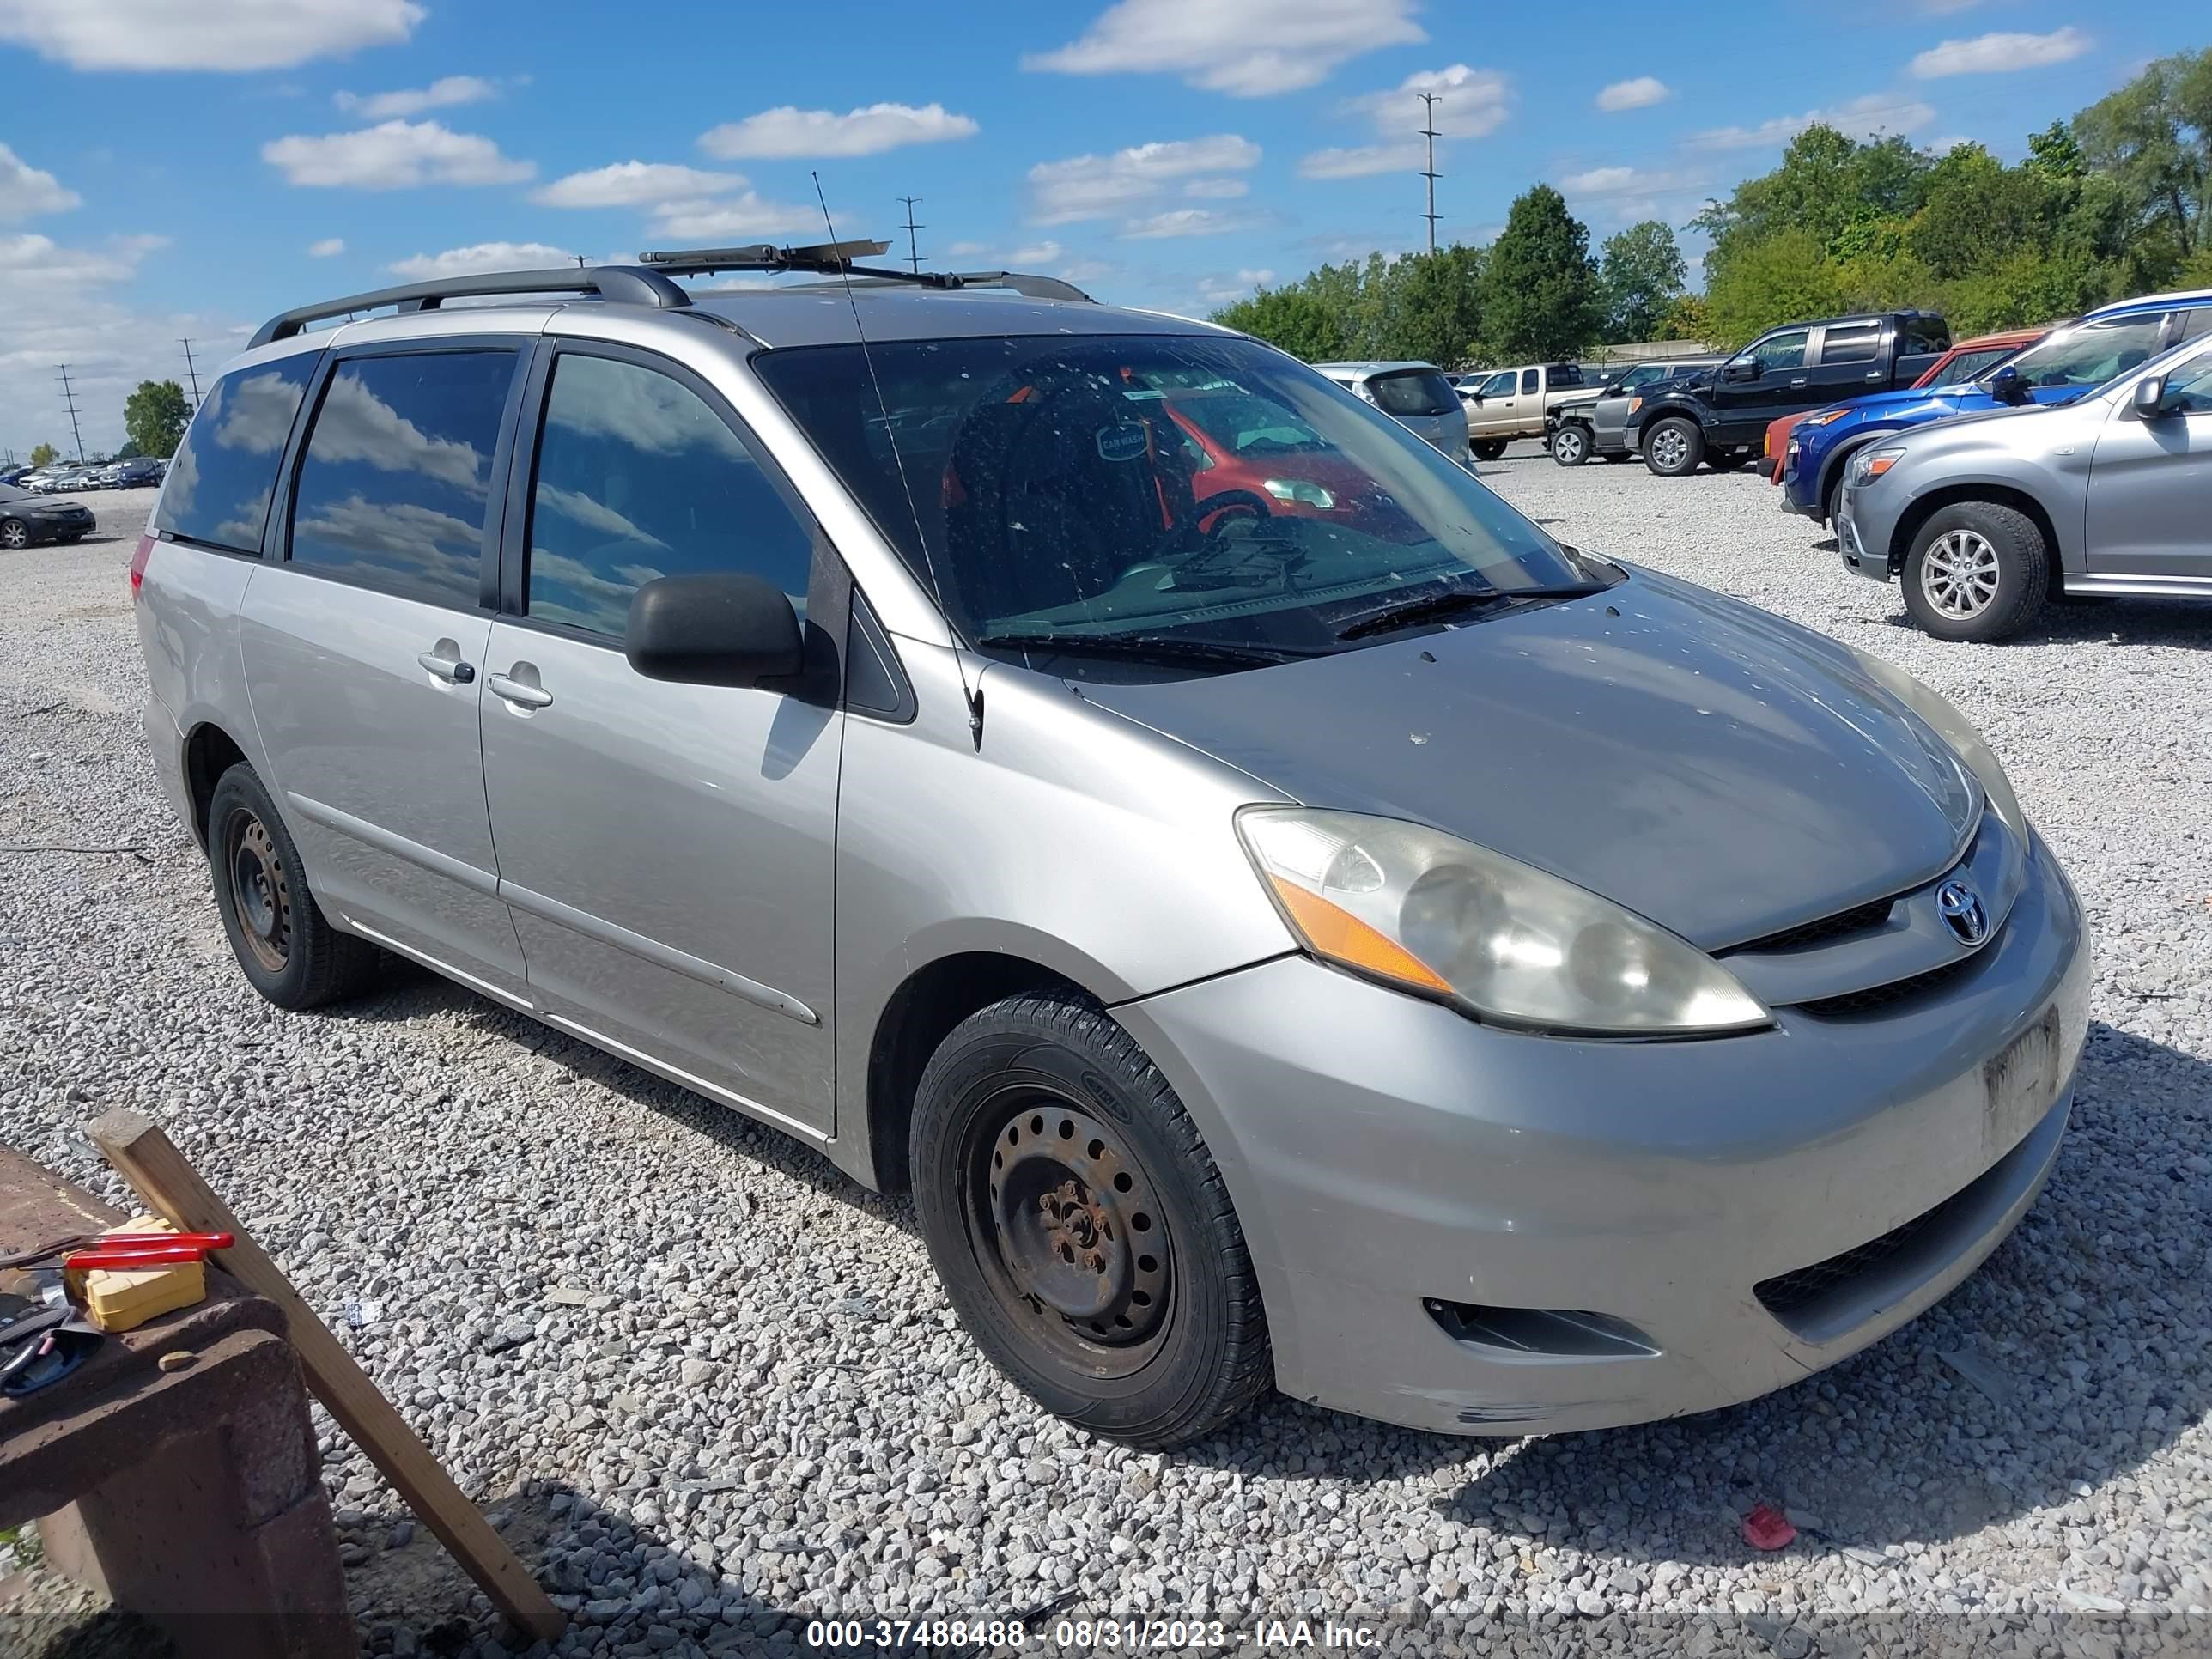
point(1961, 906)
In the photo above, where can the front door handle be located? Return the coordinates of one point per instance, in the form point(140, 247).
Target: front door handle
point(514, 691)
point(1800, 381)
point(445, 661)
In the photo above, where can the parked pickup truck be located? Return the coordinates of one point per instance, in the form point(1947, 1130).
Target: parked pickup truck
point(1516, 402)
point(1595, 422)
point(1720, 415)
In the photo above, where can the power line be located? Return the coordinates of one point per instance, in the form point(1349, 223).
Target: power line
point(913, 253)
point(1428, 130)
point(193, 369)
point(68, 397)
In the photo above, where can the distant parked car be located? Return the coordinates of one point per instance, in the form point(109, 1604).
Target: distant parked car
point(1518, 403)
point(135, 474)
point(1964, 362)
point(27, 520)
point(1719, 416)
point(1595, 422)
point(1983, 515)
point(2067, 363)
point(1415, 395)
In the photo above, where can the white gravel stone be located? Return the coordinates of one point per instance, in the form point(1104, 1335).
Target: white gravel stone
point(763, 1411)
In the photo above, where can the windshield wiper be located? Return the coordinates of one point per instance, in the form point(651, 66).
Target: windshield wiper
point(1145, 647)
point(1433, 606)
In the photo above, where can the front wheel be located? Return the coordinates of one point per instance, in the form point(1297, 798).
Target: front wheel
point(14, 534)
point(1674, 447)
point(1977, 572)
point(1571, 445)
point(1080, 1228)
point(1487, 449)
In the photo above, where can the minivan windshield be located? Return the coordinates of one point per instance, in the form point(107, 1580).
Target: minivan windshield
point(1203, 503)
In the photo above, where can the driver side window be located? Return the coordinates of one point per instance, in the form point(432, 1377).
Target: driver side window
point(1498, 385)
point(2189, 388)
point(1783, 350)
point(638, 478)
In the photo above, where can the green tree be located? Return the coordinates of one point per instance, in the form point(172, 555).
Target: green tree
point(44, 455)
point(1541, 296)
point(1686, 319)
point(1643, 271)
point(155, 415)
point(2154, 137)
point(1430, 307)
point(1294, 318)
point(2056, 153)
point(1826, 184)
point(1785, 277)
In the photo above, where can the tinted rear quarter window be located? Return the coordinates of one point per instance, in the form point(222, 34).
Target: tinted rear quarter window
point(1414, 392)
point(225, 470)
point(395, 484)
point(1851, 342)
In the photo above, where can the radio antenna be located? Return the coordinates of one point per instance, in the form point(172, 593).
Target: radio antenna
point(972, 696)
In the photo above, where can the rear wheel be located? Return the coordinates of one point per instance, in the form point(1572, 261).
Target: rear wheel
point(1571, 445)
point(1977, 572)
point(1674, 447)
point(15, 534)
point(288, 949)
point(1487, 449)
point(1080, 1227)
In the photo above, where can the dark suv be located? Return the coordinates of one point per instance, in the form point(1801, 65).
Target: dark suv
point(1720, 413)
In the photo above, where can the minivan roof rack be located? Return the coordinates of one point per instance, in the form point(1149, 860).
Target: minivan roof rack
point(627, 283)
point(838, 259)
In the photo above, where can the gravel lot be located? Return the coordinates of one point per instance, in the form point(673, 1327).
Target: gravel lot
point(711, 1388)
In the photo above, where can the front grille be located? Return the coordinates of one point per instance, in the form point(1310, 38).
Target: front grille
point(1787, 1293)
point(1859, 919)
point(1876, 997)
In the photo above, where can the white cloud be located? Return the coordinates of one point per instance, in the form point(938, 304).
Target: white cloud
point(788, 133)
point(1217, 190)
point(1185, 221)
point(1363, 160)
point(25, 189)
point(1247, 48)
point(1046, 253)
point(394, 155)
point(747, 214)
point(1219, 289)
point(203, 34)
point(1640, 93)
point(2000, 54)
point(329, 247)
point(1100, 187)
point(441, 94)
point(635, 184)
point(482, 257)
point(968, 250)
point(1868, 116)
point(1471, 103)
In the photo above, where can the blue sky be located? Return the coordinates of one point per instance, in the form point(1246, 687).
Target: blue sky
point(170, 169)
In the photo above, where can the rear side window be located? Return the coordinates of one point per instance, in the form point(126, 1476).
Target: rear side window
point(1414, 392)
point(2195, 323)
point(639, 478)
point(225, 471)
point(396, 481)
point(1924, 334)
point(1851, 342)
point(1531, 381)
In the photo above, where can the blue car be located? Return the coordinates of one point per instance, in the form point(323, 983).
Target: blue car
point(2066, 362)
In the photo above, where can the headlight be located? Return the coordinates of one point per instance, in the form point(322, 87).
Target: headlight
point(1824, 417)
point(1870, 463)
point(1300, 489)
point(1956, 730)
point(1634, 404)
point(1427, 912)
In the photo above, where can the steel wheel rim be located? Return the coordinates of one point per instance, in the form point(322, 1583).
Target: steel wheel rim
point(1069, 1231)
point(1669, 448)
point(1959, 573)
point(260, 891)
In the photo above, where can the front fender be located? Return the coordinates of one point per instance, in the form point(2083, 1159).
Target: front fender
point(1673, 403)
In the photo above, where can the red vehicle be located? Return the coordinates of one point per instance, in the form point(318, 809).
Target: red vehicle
point(1964, 360)
point(1257, 447)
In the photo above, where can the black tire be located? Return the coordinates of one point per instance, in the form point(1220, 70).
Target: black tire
point(1040, 1129)
point(285, 945)
point(1673, 445)
point(1992, 563)
point(14, 534)
point(1727, 460)
point(1571, 443)
point(1618, 455)
point(1488, 449)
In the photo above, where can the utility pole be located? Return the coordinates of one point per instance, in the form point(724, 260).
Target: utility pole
point(912, 254)
point(1429, 132)
point(68, 397)
point(193, 370)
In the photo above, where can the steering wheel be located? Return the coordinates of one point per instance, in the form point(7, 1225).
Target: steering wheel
point(1179, 534)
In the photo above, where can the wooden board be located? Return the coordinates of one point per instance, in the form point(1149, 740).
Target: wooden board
point(145, 1157)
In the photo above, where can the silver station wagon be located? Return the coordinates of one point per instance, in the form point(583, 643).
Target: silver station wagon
point(1287, 919)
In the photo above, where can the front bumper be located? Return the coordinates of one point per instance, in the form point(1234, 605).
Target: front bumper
point(1863, 554)
point(1389, 1158)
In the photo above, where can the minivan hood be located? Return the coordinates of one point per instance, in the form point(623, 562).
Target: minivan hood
point(1709, 766)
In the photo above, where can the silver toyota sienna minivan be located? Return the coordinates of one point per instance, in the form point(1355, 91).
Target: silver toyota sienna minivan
point(1287, 919)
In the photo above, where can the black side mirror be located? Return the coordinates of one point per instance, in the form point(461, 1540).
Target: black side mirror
point(2150, 398)
point(723, 628)
point(1747, 368)
point(2007, 388)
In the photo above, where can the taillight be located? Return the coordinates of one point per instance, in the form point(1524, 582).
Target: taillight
point(139, 566)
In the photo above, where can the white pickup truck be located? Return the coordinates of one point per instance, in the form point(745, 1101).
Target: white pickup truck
point(1516, 402)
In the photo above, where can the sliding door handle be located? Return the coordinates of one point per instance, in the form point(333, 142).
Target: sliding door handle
point(522, 696)
point(445, 662)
